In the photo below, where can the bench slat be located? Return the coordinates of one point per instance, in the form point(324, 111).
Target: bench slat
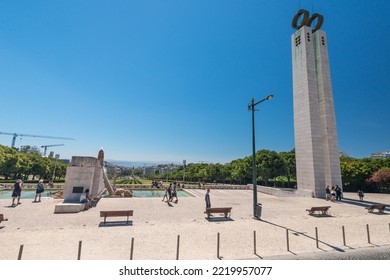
point(225, 210)
point(120, 213)
point(218, 210)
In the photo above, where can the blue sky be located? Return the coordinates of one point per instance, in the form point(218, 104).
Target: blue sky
point(170, 80)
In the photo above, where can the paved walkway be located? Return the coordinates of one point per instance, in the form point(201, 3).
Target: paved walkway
point(367, 253)
point(156, 226)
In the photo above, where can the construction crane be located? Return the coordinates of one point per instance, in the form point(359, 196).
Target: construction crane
point(45, 147)
point(14, 135)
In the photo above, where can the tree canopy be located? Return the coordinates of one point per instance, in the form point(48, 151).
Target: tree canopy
point(29, 162)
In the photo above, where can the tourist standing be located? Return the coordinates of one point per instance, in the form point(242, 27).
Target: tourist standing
point(328, 197)
point(16, 192)
point(333, 194)
point(338, 193)
point(39, 190)
point(207, 199)
point(360, 194)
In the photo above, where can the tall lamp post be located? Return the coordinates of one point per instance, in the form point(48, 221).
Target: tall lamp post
point(251, 107)
point(184, 170)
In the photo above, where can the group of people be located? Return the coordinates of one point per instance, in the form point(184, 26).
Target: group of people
point(170, 193)
point(156, 184)
point(333, 194)
point(17, 192)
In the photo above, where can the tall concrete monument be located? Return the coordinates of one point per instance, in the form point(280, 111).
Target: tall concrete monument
point(315, 133)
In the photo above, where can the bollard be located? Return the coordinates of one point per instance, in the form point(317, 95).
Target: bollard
point(177, 248)
point(132, 248)
point(79, 253)
point(254, 242)
point(368, 234)
point(218, 245)
point(288, 242)
point(344, 242)
point(20, 252)
point(317, 238)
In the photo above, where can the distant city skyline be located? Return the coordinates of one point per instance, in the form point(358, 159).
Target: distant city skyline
point(171, 80)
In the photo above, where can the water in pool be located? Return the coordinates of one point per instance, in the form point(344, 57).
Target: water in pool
point(26, 194)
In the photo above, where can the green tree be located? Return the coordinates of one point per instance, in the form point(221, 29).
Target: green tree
point(30, 150)
point(269, 165)
point(289, 163)
point(240, 170)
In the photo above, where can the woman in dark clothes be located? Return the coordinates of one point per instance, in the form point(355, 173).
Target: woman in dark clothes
point(17, 191)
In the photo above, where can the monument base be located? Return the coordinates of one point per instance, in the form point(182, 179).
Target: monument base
point(69, 207)
point(285, 192)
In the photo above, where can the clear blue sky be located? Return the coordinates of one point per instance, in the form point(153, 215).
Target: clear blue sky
point(171, 80)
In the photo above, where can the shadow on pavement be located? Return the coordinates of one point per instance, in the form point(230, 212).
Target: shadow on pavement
point(297, 233)
point(364, 204)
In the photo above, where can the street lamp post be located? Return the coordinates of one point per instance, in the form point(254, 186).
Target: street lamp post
point(184, 170)
point(251, 107)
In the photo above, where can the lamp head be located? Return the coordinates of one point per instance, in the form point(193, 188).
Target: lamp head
point(269, 97)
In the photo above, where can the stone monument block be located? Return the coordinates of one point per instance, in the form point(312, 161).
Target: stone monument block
point(83, 173)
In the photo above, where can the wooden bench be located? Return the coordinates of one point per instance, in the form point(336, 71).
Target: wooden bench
point(379, 207)
point(322, 209)
point(116, 213)
point(225, 210)
point(2, 218)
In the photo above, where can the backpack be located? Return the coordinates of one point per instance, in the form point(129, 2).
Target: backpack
point(40, 189)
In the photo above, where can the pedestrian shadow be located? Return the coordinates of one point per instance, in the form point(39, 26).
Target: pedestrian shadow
point(365, 204)
point(297, 233)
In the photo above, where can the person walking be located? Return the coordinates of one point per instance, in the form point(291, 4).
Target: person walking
point(207, 199)
point(169, 192)
point(16, 192)
point(39, 190)
point(165, 194)
point(174, 193)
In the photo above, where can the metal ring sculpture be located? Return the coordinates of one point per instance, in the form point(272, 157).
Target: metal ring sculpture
point(307, 20)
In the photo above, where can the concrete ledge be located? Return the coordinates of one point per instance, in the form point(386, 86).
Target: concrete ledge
point(284, 192)
point(69, 207)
